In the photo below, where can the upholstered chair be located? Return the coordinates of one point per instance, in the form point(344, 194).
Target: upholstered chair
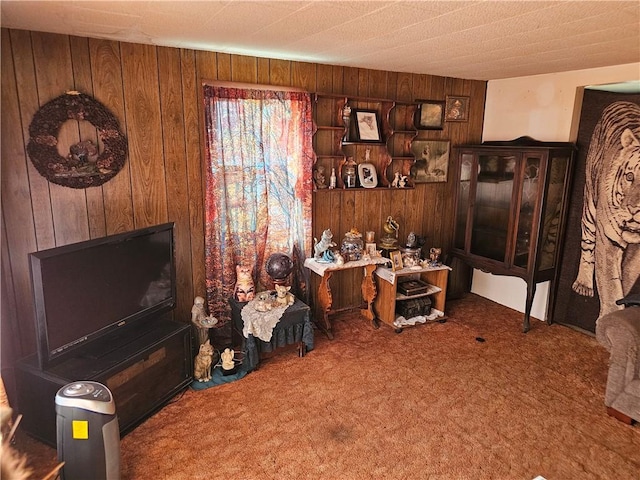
point(619, 332)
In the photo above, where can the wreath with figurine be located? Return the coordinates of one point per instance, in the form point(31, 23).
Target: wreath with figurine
point(84, 166)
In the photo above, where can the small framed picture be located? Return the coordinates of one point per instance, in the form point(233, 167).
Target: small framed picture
point(457, 109)
point(367, 175)
point(429, 115)
point(432, 161)
point(370, 248)
point(367, 126)
point(396, 260)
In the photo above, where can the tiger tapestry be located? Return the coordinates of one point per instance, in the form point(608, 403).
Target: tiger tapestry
point(608, 267)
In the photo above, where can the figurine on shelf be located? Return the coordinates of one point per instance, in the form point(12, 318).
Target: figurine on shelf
point(202, 362)
point(396, 180)
point(244, 290)
point(346, 120)
point(227, 359)
point(325, 243)
point(390, 227)
point(434, 257)
point(403, 182)
point(319, 177)
point(339, 259)
point(332, 179)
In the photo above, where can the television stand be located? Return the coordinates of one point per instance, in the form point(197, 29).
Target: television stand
point(147, 367)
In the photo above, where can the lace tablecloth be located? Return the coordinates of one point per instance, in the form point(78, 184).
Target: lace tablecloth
point(260, 324)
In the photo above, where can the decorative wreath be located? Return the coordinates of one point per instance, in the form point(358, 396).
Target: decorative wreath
point(84, 166)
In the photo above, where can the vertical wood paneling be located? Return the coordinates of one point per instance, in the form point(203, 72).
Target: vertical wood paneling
point(54, 76)
point(280, 72)
point(264, 71)
point(192, 104)
point(81, 62)
point(106, 67)
point(142, 108)
point(22, 55)
point(244, 69)
point(156, 94)
point(18, 235)
point(303, 75)
point(175, 166)
point(224, 67)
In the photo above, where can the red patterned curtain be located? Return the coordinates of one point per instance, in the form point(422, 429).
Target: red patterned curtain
point(258, 186)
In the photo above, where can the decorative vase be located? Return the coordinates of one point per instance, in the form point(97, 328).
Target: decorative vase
point(352, 246)
point(349, 173)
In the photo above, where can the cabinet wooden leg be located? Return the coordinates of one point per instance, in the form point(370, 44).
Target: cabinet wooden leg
point(325, 300)
point(531, 291)
point(369, 291)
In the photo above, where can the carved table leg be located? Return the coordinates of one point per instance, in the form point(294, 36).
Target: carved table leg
point(325, 300)
point(369, 292)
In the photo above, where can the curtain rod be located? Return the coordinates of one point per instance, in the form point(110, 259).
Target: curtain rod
point(253, 86)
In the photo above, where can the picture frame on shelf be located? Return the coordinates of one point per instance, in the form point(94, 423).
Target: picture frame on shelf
point(432, 161)
point(367, 126)
point(396, 260)
point(457, 109)
point(429, 115)
point(367, 175)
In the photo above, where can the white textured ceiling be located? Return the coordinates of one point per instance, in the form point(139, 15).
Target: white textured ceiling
point(482, 40)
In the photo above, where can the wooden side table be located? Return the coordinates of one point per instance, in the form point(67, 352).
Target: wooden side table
point(324, 299)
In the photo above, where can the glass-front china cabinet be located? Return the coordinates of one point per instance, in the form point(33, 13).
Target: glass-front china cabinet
point(512, 200)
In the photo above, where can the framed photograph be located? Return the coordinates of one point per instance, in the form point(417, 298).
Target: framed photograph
point(396, 260)
point(457, 109)
point(367, 175)
point(370, 248)
point(432, 161)
point(367, 126)
point(429, 115)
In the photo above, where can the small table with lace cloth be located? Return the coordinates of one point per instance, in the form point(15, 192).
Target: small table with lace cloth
point(266, 331)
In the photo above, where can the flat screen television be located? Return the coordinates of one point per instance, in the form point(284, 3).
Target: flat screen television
point(88, 290)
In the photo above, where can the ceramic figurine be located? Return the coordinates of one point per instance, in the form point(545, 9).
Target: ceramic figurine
point(325, 243)
point(319, 177)
point(244, 290)
point(396, 180)
point(200, 320)
point(283, 296)
point(202, 363)
point(227, 359)
point(263, 302)
point(434, 256)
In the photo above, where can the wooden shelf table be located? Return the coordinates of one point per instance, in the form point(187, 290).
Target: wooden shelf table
point(324, 299)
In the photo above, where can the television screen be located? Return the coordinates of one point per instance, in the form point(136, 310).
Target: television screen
point(89, 289)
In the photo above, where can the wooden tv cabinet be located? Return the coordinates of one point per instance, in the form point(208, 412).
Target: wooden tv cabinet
point(143, 367)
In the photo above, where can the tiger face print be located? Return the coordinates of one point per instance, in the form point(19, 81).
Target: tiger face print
point(625, 199)
point(611, 210)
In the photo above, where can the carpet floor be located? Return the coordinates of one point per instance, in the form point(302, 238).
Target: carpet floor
point(432, 402)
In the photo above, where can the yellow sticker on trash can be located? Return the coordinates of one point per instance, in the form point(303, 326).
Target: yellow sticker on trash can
point(80, 429)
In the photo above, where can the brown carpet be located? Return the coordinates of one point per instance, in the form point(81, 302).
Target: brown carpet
point(429, 403)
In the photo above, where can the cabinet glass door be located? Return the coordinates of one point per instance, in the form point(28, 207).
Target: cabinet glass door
point(466, 167)
point(553, 211)
point(528, 195)
point(492, 205)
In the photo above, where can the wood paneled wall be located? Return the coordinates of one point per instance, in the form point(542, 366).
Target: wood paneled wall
point(155, 92)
